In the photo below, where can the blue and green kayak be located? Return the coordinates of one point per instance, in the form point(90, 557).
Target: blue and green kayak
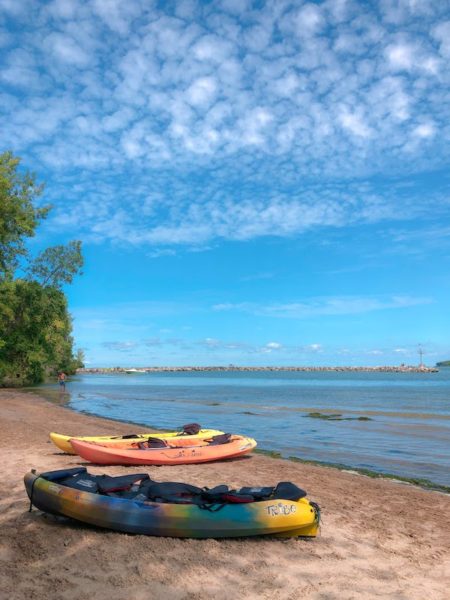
point(137, 504)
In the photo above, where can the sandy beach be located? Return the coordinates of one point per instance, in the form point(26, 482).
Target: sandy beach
point(379, 538)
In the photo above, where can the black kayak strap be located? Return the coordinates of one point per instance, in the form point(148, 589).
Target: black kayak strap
point(31, 494)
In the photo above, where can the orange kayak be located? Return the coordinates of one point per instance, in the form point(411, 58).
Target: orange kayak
point(164, 452)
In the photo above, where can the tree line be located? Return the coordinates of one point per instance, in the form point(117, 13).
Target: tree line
point(35, 325)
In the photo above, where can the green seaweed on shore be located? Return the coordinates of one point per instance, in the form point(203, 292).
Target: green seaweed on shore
point(271, 453)
point(319, 415)
point(335, 417)
point(423, 483)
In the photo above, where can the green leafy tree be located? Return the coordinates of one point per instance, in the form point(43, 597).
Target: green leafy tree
point(35, 325)
point(57, 265)
point(35, 331)
point(19, 217)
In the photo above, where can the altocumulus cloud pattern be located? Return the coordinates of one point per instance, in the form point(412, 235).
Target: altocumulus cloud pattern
point(165, 123)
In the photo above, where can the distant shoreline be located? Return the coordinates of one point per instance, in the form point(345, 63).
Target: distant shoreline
point(230, 368)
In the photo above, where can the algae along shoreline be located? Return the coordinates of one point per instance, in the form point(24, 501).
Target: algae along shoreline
point(425, 484)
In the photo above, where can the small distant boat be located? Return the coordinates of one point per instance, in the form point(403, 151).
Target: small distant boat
point(155, 451)
point(136, 504)
point(135, 371)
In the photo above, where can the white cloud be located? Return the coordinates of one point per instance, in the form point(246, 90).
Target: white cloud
point(158, 252)
point(315, 347)
point(309, 19)
point(244, 107)
point(328, 306)
point(117, 14)
point(355, 124)
point(425, 130)
point(202, 91)
point(441, 32)
point(67, 50)
point(273, 345)
point(401, 56)
point(126, 346)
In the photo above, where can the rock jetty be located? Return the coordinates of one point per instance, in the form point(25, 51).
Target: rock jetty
point(381, 369)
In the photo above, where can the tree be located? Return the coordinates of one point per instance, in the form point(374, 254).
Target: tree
point(19, 217)
point(57, 265)
point(35, 325)
point(35, 332)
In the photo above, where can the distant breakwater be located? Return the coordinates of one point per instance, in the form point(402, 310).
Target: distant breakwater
point(137, 370)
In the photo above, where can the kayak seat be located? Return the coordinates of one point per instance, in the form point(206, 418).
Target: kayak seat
point(108, 484)
point(258, 493)
point(152, 442)
point(81, 481)
point(102, 484)
point(226, 496)
point(216, 440)
point(191, 429)
point(62, 473)
point(173, 492)
point(287, 490)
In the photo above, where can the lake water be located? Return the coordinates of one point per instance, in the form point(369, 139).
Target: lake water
point(407, 431)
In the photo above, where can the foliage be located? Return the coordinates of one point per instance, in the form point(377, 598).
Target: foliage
point(35, 333)
point(18, 215)
point(443, 363)
point(57, 265)
point(35, 325)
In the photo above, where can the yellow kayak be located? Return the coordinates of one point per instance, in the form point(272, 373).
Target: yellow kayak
point(63, 441)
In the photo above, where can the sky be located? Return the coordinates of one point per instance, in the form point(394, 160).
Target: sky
point(254, 183)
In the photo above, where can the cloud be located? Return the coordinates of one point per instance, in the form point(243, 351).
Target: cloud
point(120, 346)
point(328, 306)
point(315, 347)
point(355, 124)
point(202, 91)
point(425, 130)
point(258, 113)
point(158, 252)
point(66, 49)
point(400, 56)
point(273, 346)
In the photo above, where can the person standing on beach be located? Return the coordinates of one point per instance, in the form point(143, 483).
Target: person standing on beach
point(62, 380)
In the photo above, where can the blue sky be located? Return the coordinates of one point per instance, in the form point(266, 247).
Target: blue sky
point(256, 183)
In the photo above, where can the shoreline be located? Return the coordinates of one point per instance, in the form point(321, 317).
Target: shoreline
point(234, 368)
point(392, 535)
point(425, 484)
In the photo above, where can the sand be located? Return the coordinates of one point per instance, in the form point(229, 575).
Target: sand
point(379, 538)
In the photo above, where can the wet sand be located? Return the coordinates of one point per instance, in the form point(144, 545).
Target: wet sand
point(379, 538)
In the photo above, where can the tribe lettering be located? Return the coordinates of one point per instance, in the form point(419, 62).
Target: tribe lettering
point(274, 510)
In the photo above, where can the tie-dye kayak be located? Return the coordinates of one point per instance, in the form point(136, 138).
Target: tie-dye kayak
point(136, 504)
point(169, 452)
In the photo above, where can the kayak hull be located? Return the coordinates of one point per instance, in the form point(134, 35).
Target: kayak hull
point(283, 518)
point(63, 441)
point(185, 454)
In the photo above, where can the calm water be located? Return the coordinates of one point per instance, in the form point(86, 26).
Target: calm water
point(408, 433)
